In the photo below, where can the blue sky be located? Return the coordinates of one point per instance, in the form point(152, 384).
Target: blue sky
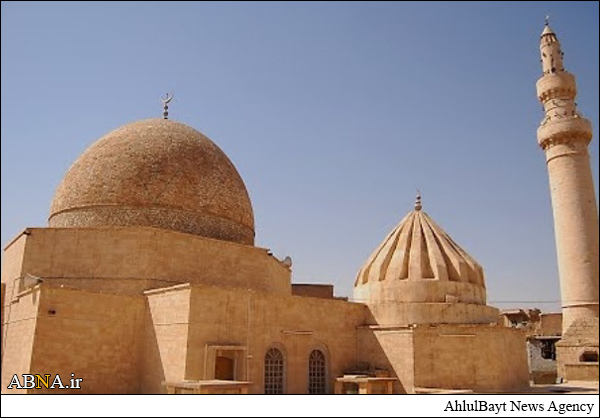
point(333, 112)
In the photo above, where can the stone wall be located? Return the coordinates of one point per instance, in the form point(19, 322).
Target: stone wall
point(389, 349)
point(250, 322)
point(541, 370)
point(581, 337)
point(392, 313)
point(550, 324)
point(20, 327)
point(94, 315)
point(569, 355)
point(587, 372)
point(120, 259)
point(313, 290)
point(479, 357)
point(166, 338)
point(61, 331)
point(96, 336)
point(11, 272)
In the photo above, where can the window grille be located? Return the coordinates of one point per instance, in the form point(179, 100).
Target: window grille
point(274, 372)
point(317, 373)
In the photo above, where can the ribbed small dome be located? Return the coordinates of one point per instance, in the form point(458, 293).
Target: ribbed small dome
point(419, 275)
point(418, 249)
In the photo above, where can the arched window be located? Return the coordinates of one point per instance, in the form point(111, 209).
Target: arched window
point(317, 373)
point(274, 372)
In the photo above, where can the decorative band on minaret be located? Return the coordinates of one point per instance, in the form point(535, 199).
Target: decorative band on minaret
point(564, 135)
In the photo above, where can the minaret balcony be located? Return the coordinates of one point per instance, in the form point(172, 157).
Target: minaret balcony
point(561, 84)
point(570, 129)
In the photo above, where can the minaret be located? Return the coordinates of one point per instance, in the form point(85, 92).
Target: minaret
point(564, 135)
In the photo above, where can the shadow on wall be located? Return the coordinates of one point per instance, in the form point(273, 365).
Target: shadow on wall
point(384, 354)
point(152, 368)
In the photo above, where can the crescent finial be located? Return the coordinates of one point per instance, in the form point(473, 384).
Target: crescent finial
point(166, 100)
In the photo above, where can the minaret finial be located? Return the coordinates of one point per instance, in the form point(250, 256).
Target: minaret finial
point(547, 20)
point(418, 203)
point(166, 100)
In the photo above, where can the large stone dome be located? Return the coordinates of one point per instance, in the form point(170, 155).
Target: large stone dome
point(156, 173)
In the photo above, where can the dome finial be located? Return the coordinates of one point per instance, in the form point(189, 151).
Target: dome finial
point(166, 100)
point(547, 20)
point(418, 203)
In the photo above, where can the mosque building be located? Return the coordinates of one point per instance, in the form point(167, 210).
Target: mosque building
point(147, 281)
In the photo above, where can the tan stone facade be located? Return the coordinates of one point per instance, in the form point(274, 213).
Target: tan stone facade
point(577, 352)
point(131, 309)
